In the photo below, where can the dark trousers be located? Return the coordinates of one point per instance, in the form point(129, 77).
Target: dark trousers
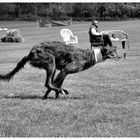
point(107, 40)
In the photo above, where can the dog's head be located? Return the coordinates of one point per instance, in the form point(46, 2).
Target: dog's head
point(109, 52)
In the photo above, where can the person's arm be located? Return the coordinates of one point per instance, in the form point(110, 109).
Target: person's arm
point(93, 32)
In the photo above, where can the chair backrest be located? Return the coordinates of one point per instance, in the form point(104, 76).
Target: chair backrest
point(66, 33)
point(120, 34)
point(68, 36)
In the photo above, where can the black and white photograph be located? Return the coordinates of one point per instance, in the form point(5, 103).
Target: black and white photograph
point(69, 69)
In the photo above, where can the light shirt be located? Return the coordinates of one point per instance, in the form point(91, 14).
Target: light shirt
point(94, 32)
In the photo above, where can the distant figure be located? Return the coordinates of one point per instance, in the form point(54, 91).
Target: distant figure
point(114, 37)
point(96, 37)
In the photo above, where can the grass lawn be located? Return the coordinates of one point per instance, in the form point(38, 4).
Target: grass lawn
point(104, 101)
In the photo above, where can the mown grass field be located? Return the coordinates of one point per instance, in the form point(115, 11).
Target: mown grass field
point(104, 101)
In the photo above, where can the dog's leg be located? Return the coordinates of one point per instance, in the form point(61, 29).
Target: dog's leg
point(50, 70)
point(47, 93)
point(49, 89)
point(59, 81)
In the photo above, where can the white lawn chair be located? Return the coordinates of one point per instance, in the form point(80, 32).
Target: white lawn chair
point(68, 36)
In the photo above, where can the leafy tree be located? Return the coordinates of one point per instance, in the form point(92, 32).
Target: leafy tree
point(75, 10)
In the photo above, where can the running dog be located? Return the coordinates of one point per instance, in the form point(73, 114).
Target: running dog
point(52, 56)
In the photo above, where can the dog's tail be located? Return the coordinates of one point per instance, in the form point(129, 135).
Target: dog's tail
point(19, 66)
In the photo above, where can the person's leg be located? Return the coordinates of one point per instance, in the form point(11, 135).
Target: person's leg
point(107, 40)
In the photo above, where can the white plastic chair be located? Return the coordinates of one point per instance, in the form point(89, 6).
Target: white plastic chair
point(68, 36)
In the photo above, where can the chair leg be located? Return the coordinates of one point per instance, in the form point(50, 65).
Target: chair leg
point(124, 55)
point(123, 44)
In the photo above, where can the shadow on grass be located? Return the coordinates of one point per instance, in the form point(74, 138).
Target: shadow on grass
point(71, 98)
point(22, 97)
point(41, 97)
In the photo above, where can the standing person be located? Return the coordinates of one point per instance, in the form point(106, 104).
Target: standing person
point(96, 37)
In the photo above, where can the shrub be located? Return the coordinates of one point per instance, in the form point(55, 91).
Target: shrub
point(12, 35)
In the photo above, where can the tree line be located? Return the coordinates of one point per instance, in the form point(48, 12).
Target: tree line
point(77, 11)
